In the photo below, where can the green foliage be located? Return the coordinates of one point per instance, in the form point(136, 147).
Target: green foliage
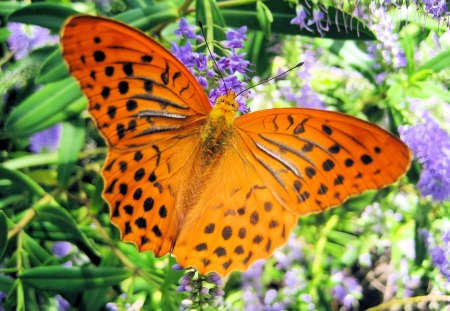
point(56, 196)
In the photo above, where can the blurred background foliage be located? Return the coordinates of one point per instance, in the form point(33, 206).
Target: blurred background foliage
point(384, 61)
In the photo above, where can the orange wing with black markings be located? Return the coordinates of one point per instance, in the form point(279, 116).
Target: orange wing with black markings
point(149, 108)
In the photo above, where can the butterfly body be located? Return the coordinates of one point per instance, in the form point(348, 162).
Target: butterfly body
point(219, 128)
point(216, 191)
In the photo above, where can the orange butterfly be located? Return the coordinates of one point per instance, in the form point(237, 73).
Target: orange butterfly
point(216, 191)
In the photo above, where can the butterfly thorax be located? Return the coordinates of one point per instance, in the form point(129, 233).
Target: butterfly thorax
point(218, 128)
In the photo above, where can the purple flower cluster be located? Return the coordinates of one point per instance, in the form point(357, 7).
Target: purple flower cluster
point(3, 296)
point(284, 295)
point(347, 290)
point(319, 20)
point(203, 291)
point(437, 8)
point(230, 65)
point(25, 38)
point(62, 304)
point(305, 96)
point(46, 140)
point(430, 144)
point(439, 252)
point(387, 46)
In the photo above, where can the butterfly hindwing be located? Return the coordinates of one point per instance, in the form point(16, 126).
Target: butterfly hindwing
point(236, 220)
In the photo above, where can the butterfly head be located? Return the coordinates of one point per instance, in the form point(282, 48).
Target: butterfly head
point(227, 102)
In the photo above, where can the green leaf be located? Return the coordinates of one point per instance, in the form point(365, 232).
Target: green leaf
point(3, 234)
point(53, 69)
point(257, 50)
point(437, 63)
point(62, 279)
point(31, 160)
point(71, 142)
point(408, 48)
point(209, 14)
point(60, 217)
point(37, 255)
point(264, 17)
point(6, 283)
point(4, 34)
point(8, 7)
point(148, 18)
point(42, 106)
point(341, 25)
point(48, 15)
point(19, 178)
point(97, 202)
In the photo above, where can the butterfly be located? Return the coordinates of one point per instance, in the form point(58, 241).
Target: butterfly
point(215, 190)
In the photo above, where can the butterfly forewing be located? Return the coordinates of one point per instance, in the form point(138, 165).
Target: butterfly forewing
point(137, 90)
point(149, 108)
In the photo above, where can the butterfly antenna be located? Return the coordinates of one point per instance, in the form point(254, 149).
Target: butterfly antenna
point(267, 80)
point(200, 24)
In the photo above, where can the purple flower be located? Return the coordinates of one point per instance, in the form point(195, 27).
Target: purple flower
point(111, 306)
point(186, 31)
point(61, 249)
point(46, 140)
point(301, 18)
point(318, 16)
point(430, 144)
point(292, 252)
point(440, 253)
point(437, 8)
point(230, 64)
point(270, 296)
point(63, 304)
point(24, 38)
point(347, 289)
point(235, 38)
point(387, 46)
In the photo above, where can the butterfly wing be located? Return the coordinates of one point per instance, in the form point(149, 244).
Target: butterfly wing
point(323, 157)
point(149, 108)
point(283, 163)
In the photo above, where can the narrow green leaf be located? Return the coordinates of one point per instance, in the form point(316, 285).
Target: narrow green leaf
point(439, 62)
point(53, 69)
point(6, 283)
point(257, 50)
point(42, 105)
point(72, 139)
point(44, 14)
point(37, 255)
point(62, 219)
point(209, 14)
point(31, 160)
point(3, 234)
point(408, 47)
point(4, 34)
point(97, 202)
point(21, 179)
point(8, 7)
point(341, 25)
point(62, 279)
point(264, 17)
point(147, 18)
